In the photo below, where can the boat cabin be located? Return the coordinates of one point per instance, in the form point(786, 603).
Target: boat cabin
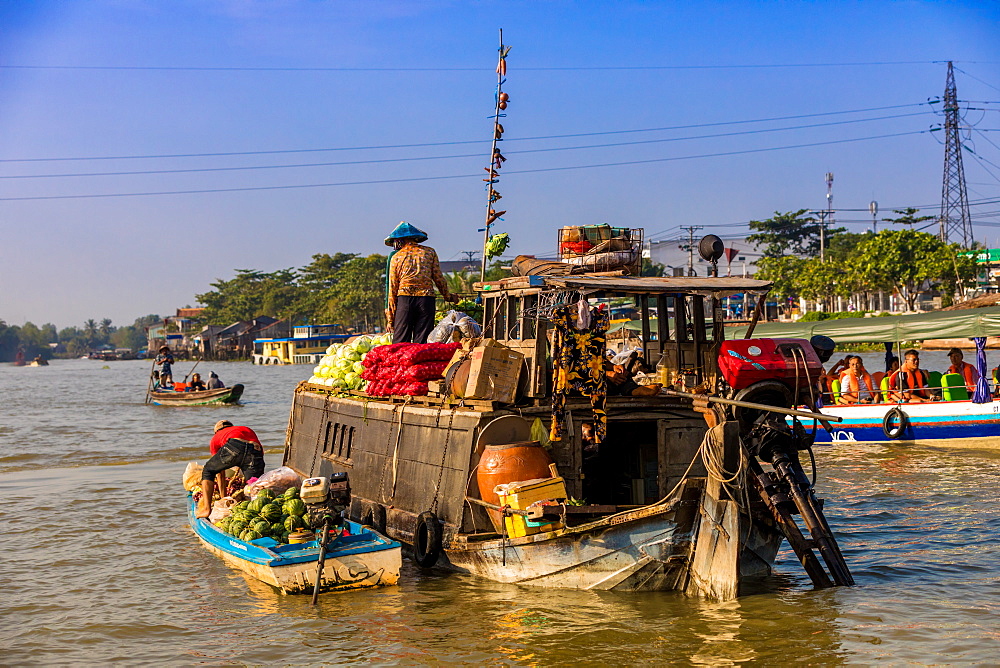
point(407, 455)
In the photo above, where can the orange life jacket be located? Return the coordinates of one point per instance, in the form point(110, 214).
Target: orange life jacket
point(910, 381)
point(849, 385)
point(968, 372)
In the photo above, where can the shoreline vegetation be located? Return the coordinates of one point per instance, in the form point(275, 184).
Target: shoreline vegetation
point(350, 288)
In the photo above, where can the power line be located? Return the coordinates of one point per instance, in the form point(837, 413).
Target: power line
point(241, 68)
point(461, 142)
point(460, 176)
point(985, 83)
point(448, 157)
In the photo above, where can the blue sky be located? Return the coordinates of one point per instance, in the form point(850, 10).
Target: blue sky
point(65, 260)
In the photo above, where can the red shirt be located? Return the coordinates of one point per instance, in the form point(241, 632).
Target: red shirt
point(223, 435)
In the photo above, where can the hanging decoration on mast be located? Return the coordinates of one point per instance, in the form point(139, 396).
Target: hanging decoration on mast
point(496, 244)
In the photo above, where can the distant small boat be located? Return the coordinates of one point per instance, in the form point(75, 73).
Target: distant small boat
point(225, 395)
point(363, 559)
point(39, 361)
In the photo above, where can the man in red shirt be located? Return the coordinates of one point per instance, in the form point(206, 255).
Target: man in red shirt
point(230, 446)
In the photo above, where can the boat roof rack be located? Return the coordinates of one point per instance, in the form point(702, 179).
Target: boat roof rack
point(698, 285)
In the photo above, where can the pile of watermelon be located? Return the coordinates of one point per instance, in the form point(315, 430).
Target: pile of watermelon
point(266, 516)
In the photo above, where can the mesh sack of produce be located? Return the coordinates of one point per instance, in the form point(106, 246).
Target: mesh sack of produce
point(427, 352)
point(425, 371)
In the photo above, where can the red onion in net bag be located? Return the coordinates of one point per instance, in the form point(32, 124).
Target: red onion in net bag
point(426, 371)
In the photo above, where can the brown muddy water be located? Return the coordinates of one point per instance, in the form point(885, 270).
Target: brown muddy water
point(99, 567)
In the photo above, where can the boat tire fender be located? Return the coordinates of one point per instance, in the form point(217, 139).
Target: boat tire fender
point(894, 423)
point(427, 540)
point(374, 516)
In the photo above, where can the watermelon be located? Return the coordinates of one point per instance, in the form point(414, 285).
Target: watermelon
point(294, 507)
point(257, 504)
point(250, 534)
point(261, 526)
point(241, 505)
point(243, 516)
point(293, 522)
point(291, 493)
point(265, 494)
point(271, 511)
point(276, 528)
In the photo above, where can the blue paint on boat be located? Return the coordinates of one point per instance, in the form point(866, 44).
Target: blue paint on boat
point(268, 552)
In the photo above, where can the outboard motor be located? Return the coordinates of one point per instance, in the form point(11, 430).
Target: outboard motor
point(775, 372)
point(784, 373)
point(786, 491)
point(326, 499)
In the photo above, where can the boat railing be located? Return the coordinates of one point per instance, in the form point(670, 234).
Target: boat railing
point(937, 392)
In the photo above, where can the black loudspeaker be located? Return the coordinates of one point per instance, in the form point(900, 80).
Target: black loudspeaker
point(711, 248)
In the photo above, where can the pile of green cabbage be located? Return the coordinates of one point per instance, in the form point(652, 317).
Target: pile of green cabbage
point(341, 367)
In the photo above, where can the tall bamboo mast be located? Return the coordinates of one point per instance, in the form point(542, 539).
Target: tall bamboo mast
point(496, 158)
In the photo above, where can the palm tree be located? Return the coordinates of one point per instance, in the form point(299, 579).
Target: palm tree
point(460, 282)
point(90, 331)
point(106, 327)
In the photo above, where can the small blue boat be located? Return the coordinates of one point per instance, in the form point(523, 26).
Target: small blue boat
point(363, 559)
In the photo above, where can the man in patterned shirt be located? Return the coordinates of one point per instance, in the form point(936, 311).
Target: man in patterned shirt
point(414, 271)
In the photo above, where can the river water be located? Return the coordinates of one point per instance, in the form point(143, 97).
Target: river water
point(99, 565)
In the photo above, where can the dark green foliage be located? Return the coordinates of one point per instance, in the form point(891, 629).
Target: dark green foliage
point(792, 232)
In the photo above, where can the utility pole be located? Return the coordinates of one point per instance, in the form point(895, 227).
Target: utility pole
point(828, 218)
point(470, 256)
point(873, 208)
point(954, 220)
point(689, 246)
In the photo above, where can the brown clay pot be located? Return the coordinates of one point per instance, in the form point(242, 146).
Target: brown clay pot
point(509, 462)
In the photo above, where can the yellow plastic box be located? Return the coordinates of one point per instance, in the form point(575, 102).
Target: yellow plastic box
point(520, 495)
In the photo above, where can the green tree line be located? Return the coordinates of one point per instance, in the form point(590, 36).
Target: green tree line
point(33, 340)
point(905, 261)
point(343, 288)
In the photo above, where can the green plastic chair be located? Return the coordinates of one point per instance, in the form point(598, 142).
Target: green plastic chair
point(953, 387)
point(835, 390)
point(934, 381)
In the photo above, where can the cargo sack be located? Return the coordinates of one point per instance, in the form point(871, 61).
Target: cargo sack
point(221, 509)
point(443, 331)
point(278, 480)
point(192, 476)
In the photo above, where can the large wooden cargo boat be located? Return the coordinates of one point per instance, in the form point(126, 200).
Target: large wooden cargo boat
point(669, 504)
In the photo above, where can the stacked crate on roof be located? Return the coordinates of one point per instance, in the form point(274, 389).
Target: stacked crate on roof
point(602, 247)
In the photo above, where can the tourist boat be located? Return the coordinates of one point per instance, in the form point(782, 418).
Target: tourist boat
point(222, 396)
point(961, 422)
point(657, 513)
point(360, 560)
point(38, 361)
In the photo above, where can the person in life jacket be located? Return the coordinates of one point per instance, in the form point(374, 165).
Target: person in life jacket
point(909, 383)
point(856, 385)
point(964, 369)
point(879, 375)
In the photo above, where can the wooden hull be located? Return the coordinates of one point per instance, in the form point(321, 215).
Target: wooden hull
point(404, 460)
point(648, 549)
point(226, 395)
point(364, 559)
